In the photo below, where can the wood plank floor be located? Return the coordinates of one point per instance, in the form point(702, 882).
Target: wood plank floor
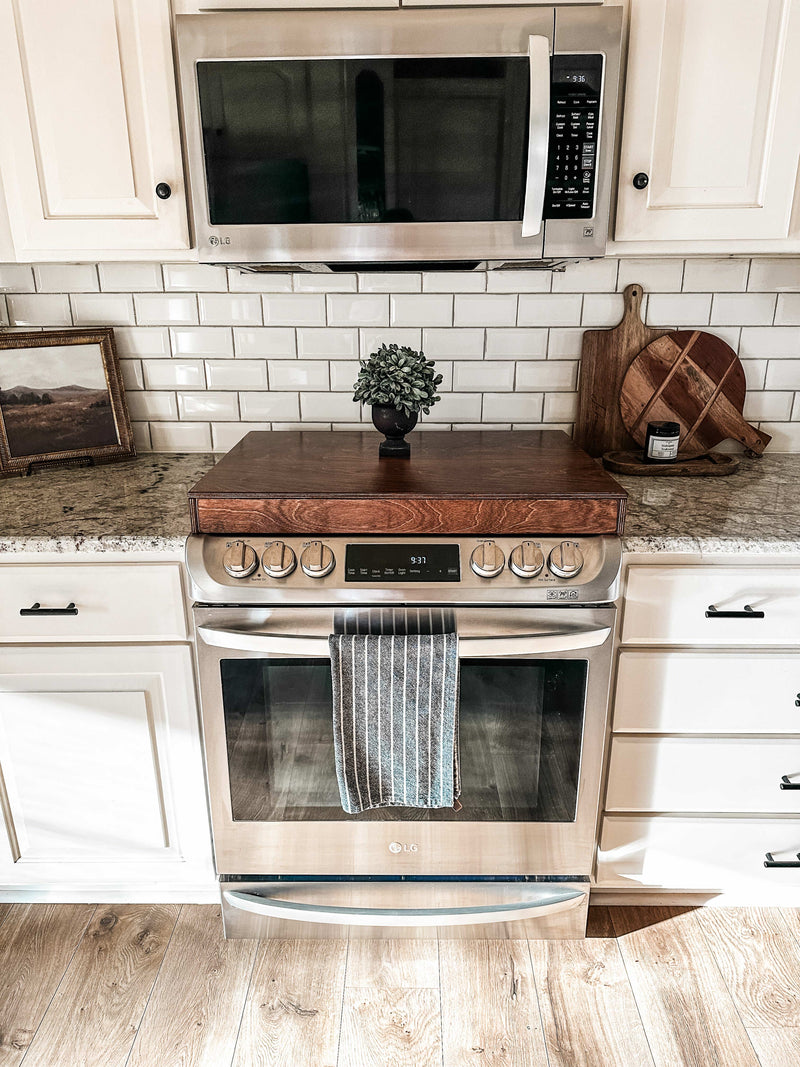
point(157, 986)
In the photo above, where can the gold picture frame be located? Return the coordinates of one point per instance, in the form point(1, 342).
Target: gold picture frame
point(61, 400)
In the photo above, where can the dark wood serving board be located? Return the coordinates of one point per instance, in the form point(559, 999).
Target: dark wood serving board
point(695, 379)
point(481, 483)
point(605, 358)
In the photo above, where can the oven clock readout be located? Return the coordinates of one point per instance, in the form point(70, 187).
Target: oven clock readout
point(402, 563)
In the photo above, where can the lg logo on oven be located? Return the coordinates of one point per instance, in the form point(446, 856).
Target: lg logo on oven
point(399, 846)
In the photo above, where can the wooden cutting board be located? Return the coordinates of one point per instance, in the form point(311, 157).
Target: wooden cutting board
point(605, 358)
point(692, 378)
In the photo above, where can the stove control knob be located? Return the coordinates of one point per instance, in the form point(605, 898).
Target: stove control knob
point(317, 560)
point(278, 560)
point(566, 560)
point(526, 560)
point(487, 560)
point(239, 560)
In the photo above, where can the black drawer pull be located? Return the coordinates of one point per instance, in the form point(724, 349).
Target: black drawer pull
point(786, 783)
point(771, 862)
point(748, 613)
point(37, 609)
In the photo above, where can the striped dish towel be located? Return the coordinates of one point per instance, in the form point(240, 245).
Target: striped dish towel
point(395, 719)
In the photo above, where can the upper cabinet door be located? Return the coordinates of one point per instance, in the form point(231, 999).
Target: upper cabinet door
point(711, 117)
point(89, 127)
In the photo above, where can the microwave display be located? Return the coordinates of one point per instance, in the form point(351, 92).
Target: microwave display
point(364, 140)
point(574, 127)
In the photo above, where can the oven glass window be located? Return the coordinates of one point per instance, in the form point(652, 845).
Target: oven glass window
point(359, 140)
point(520, 725)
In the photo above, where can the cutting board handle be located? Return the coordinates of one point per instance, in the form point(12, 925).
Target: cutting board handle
point(632, 299)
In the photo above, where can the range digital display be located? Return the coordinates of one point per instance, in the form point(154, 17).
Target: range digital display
point(402, 563)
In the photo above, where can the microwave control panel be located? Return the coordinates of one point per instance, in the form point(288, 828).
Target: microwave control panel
point(575, 95)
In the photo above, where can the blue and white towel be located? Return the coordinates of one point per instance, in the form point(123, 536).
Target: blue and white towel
point(395, 719)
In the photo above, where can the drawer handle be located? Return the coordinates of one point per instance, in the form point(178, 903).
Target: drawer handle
point(771, 862)
point(786, 783)
point(748, 613)
point(37, 609)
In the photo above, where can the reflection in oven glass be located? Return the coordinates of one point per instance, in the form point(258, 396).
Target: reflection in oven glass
point(520, 724)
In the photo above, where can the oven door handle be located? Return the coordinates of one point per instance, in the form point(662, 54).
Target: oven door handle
point(542, 900)
point(538, 135)
point(571, 640)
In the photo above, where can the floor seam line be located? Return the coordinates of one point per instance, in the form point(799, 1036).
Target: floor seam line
point(153, 986)
point(78, 943)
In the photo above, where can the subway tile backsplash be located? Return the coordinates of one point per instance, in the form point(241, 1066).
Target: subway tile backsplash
point(209, 353)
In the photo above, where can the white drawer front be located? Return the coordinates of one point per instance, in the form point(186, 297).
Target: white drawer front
point(712, 854)
point(703, 774)
point(667, 605)
point(707, 693)
point(115, 602)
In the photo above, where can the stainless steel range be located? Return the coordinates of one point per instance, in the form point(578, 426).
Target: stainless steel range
point(534, 617)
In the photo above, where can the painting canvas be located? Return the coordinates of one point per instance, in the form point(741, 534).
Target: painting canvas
point(61, 399)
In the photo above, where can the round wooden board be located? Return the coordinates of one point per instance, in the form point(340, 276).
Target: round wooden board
point(692, 378)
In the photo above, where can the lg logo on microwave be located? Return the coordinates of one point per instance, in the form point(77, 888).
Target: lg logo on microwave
point(399, 846)
point(219, 240)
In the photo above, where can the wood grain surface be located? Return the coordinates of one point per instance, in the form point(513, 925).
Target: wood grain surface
point(695, 379)
point(465, 483)
point(37, 942)
point(757, 955)
point(105, 988)
point(687, 1011)
point(490, 1014)
point(776, 1047)
point(390, 1027)
point(196, 1005)
point(605, 358)
point(4, 910)
point(686, 969)
point(292, 1013)
point(587, 1004)
point(399, 963)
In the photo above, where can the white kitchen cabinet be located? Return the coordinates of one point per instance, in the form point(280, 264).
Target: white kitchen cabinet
point(710, 116)
point(102, 779)
point(102, 790)
point(89, 128)
point(705, 729)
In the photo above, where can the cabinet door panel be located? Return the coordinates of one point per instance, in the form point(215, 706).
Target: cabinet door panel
point(710, 116)
point(90, 126)
point(707, 693)
point(695, 853)
point(80, 771)
point(703, 774)
point(101, 779)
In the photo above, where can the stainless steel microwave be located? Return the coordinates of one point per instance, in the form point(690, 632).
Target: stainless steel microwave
point(350, 139)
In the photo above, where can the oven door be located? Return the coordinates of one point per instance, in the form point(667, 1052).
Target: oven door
point(533, 699)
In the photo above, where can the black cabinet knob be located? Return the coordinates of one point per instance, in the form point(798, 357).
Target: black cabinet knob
point(163, 191)
point(641, 180)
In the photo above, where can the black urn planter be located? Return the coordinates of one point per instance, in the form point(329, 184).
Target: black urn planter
point(394, 424)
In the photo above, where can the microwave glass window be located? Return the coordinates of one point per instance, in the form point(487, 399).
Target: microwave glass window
point(520, 729)
point(389, 140)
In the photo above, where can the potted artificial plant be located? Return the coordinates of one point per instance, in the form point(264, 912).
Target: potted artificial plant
point(399, 383)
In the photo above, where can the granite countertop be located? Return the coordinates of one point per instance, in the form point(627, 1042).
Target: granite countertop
point(135, 505)
point(140, 505)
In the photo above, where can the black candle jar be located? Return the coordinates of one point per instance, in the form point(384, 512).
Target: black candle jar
point(661, 442)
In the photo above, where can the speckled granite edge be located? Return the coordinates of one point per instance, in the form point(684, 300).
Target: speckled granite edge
point(91, 545)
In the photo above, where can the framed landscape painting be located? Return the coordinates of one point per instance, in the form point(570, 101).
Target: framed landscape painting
point(61, 400)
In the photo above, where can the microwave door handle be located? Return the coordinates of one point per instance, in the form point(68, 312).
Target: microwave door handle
point(468, 647)
point(542, 900)
point(538, 135)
